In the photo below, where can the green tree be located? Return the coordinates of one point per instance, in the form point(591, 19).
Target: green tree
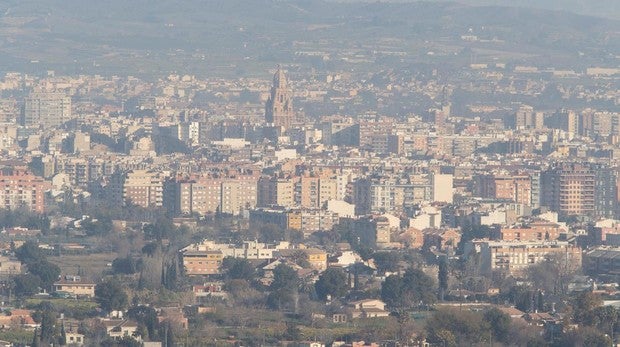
point(466, 327)
point(62, 340)
point(147, 316)
point(499, 322)
point(414, 288)
point(332, 282)
point(284, 288)
point(443, 277)
point(604, 318)
point(46, 271)
point(284, 277)
point(45, 315)
point(127, 265)
point(583, 336)
point(387, 261)
point(29, 253)
point(161, 229)
point(420, 287)
point(26, 285)
point(392, 290)
point(238, 268)
point(583, 304)
point(35, 338)
point(111, 296)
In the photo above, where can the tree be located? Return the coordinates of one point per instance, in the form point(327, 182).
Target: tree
point(284, 277)
point(127, 265)
point(443, 277)
point(62, 340)
point(584, 336)
point(45, 315)
point(392, 290)
point(300, 258)
point(238, 268)
point(270, 233)
point(147, 316)
point(332, 282)
point(386, 261)
point(26, 285)
point(420, 287)
point(46, 271)
point(35, 338)
point(414, 288)
point(161, 229)
point(464, 326)
point(604, 318)
point(583, 304)
point(499, 322)
point(111, 296)
point(29, 253)
point(284, 287)
point(553, 274)
point(167, 334)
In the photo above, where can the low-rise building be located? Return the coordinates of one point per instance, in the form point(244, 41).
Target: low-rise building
point(513, 257)
point(75, 285)
point(369, 308)
point(604, 260)
point(205, 262)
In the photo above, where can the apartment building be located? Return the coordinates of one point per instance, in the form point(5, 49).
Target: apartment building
point(143, 188)
point(21, 189)
point(514, 257)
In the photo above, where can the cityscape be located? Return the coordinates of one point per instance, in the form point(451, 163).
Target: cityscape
point(309, 173)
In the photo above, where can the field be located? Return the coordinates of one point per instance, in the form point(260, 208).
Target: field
point(90, 266)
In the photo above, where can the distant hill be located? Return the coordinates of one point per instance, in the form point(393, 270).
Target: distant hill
point(147, 36)
point(600, 8)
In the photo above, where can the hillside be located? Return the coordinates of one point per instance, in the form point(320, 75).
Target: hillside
point(155, 35)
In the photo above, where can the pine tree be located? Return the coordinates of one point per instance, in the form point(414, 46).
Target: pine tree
point(443, 278)
point(35, 338)
point(63, 335)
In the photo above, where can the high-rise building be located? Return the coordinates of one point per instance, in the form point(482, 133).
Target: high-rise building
point(279, 106)
point(21, 189)
point(526, 118)
point(442, 187)
point(569, 189)
point(144, 188)
point(517, 188)
point(208, 194)
point(274, 191)
point(46, 110)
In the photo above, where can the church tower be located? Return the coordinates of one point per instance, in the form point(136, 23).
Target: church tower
point(279, 106)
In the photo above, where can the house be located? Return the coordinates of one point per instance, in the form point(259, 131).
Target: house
point(9, 266)
point(539, 319)
point(310, 344)
point(369, 308)
point(18, 318)
point(209, 290)
point(119, 328)
point(513, 312)
point(75, 285)
point(339, 318)
point(174, 316)
point(441, 239)
point(202, 262)
point(317, 258)
point(268, 270)
point(74, 338)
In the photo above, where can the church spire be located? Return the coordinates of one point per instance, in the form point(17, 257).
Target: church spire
point(279, 106)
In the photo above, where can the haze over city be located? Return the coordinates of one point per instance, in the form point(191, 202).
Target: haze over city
point(309, 173)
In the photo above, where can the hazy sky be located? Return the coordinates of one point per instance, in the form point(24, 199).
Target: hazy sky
point(604, 8)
